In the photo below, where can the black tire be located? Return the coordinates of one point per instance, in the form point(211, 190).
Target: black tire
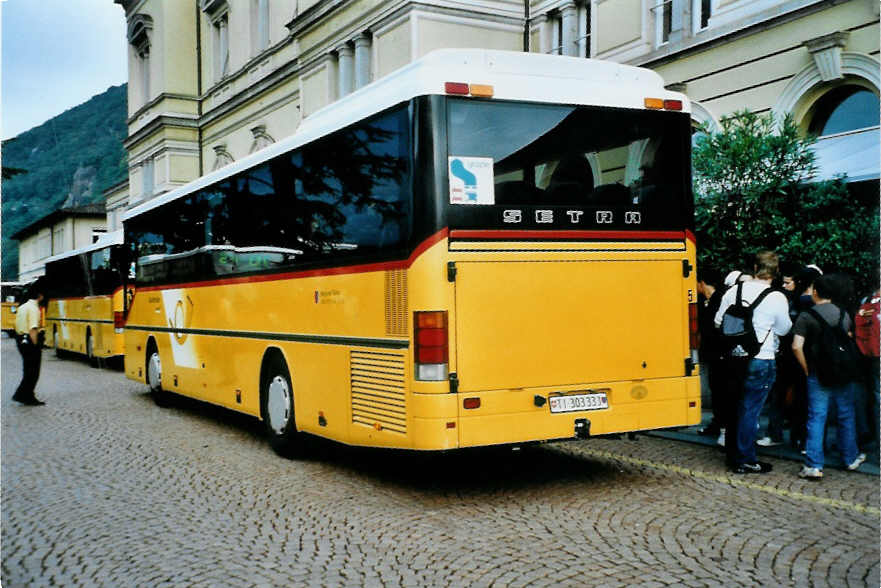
point(59, 353)
point(90, 350)
point(277, 408)
point(153, 369)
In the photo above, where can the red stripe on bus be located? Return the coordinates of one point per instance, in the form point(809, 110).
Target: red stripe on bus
point(597, 235)
point(691, 236)
point(333, 271)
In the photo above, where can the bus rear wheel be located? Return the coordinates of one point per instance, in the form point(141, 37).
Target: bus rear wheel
point(277, 408)
point(154, 376)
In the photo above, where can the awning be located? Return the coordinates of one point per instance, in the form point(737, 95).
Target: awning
point(857, 154)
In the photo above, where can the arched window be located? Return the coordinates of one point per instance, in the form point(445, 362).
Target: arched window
point(846, 108)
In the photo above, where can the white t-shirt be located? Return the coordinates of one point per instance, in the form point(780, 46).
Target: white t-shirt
point(770, 318)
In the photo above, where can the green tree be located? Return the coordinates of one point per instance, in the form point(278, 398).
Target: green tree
point(753, 192)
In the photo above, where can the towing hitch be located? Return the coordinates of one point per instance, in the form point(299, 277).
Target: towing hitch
point(582, 428)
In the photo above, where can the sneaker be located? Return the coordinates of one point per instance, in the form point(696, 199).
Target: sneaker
point(768, 442)
point(721, 440)
point(855, 464)
point(760, 467)
point(710, 430)
point(811, 473)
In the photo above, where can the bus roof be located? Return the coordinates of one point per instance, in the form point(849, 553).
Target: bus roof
point(513, 75)
point(105, 240)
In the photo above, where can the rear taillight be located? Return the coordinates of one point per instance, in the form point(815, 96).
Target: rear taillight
point(457, 88)
point(693, 332)
point(432, 345)
point(118, 321)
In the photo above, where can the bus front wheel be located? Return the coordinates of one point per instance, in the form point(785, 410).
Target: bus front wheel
point(277, 408)
point(154, 376)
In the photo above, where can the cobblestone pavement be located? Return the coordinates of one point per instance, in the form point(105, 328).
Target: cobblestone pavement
point(101, 487)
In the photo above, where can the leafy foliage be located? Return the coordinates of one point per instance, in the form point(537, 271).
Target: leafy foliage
point(87, 136)
point(751, 184)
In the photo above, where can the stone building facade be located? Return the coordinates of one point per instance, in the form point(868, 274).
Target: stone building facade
point(211, 81)
point(60, 231)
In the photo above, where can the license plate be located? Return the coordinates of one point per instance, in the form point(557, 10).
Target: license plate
point(579, 402)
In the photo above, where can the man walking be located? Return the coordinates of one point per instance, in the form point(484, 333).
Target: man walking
point(806, 346)
point(29, 339)
point(770, 320)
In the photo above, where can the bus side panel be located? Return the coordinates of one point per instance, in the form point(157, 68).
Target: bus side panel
point(98, 310)
point(69, 335)
point(225, 333)
point(70, 320)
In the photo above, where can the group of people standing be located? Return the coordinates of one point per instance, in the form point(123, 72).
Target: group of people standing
point(794, 312)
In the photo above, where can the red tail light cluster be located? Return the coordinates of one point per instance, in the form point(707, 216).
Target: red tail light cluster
point(432, 345)
point(658, 104)
point(118, 320)
point(463, 89)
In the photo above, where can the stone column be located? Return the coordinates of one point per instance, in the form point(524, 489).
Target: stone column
point(363, 43)
point(569, 14)
point(544, 32)
point(346, 67)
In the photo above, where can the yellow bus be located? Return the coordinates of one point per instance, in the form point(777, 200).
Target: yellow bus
point(11, 296)
point(482, 248)
point(86, 300)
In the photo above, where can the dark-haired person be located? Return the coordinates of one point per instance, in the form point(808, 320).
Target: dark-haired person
point(710, 293)
point(807, 332)
point(29, 339)
point(800, 300)
point(770, 321)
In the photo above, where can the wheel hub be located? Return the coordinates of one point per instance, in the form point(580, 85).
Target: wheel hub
point(278, 404)
point(154, 372)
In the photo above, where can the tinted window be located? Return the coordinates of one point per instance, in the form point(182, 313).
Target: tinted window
point(67, 278)
point(342, 199)
point(105, 277)
point(632, 163)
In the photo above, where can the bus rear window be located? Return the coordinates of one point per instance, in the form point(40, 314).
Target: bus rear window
point(573, 167)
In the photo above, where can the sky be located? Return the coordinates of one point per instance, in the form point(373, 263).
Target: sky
point(56, 54)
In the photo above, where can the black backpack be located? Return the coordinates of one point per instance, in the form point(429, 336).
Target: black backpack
point(834, 353)
point(737, 324)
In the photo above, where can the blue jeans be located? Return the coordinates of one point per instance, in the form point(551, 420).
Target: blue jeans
point(819, 397)
point(760, 375)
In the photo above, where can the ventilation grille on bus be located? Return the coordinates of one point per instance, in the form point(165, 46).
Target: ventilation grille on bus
point(378, 398)
point(396, 302)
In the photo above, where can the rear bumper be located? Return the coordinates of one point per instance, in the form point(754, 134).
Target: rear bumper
point(512, 416)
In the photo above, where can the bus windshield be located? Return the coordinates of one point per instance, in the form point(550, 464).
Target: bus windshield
point(567, 167)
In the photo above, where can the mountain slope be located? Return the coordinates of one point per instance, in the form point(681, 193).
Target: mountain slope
point(69, 160)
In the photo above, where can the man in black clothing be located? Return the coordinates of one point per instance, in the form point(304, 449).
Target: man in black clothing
point(29, 339)
point(709, 297)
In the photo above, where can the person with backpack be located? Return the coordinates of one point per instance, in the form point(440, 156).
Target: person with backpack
point(752, 316)
point(824, 349)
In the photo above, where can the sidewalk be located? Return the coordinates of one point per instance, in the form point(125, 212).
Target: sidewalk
point(784, 451)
